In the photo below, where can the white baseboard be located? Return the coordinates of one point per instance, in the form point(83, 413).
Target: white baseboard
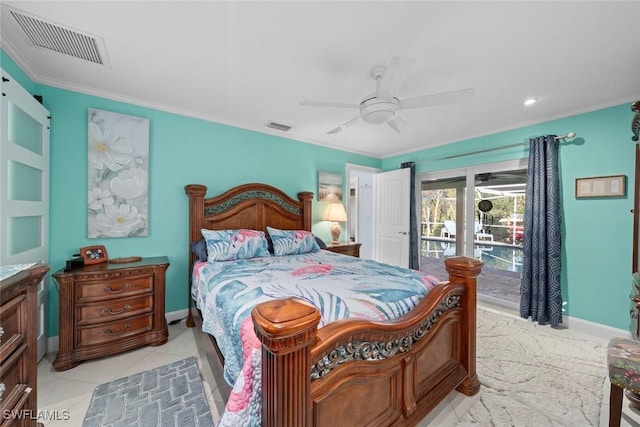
point(52, 342)
point(597, 329)
point(176, 315)
point(569, 322)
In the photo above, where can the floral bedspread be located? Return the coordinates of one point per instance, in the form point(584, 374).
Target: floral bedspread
point(339, 286)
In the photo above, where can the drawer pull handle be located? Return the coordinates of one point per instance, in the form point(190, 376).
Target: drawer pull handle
point(108, 310)
point(110, 332)
point(122, 289)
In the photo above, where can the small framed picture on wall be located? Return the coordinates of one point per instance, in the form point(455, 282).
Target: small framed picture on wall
point(329, 187)
point(601, 186)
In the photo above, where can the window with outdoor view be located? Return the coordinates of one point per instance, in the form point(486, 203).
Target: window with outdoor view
point(498, 212)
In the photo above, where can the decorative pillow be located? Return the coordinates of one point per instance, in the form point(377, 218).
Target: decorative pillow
point(291, 242)
point(226, 245)
point(199, 249)
point(269, 244)
point(321, 243)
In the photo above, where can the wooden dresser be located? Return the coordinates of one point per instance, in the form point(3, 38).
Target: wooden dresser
point(107, 308)
point(18, 349)
point(345, 248)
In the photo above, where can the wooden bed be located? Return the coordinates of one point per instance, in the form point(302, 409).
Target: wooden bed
point(356, 372)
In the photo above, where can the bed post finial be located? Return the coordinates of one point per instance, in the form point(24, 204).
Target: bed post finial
point(306, 197)
point(286, 328)
point(196, 193)
point(467, 270)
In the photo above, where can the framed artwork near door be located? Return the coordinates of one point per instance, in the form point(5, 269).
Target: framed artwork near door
point(329, 187)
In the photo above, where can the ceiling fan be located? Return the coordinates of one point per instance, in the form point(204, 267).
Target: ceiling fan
point(383, 105)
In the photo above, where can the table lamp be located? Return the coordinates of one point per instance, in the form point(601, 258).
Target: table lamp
point(335, 212)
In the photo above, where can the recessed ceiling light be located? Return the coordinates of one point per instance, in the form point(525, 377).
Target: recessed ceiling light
point(530, 101)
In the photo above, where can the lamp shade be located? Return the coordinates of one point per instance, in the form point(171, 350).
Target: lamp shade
point(335, 212)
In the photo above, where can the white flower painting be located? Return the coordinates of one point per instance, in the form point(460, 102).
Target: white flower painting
point(118, 197)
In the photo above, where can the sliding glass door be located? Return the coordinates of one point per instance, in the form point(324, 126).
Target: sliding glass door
point(476, 212)
point(499, 205)
point(442, 218)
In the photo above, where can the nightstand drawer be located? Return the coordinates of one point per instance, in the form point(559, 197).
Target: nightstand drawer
point(351, 248)
point(113, 331)
point(107, 311)
point(116, 288)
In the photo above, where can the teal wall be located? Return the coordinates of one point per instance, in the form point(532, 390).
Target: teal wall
point(182, 151)
point(596, 233)
point(597, 236)
point(7, 64)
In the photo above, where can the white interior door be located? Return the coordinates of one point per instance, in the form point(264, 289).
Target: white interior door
point(24, 186)
point(392, 216)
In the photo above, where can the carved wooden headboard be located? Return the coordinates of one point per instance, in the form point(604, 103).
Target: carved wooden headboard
point(254, 206)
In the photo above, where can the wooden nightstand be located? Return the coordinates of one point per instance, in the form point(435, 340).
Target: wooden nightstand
point(345, 248)
point(106, 309)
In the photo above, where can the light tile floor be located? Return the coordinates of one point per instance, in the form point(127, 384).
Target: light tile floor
point(71, 390)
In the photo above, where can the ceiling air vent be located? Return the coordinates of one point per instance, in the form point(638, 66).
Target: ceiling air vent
point(52, 36)
point(278, 126)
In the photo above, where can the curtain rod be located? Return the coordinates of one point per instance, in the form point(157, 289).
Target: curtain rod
point(563, 137)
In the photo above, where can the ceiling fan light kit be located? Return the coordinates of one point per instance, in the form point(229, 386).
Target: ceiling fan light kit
point(376, 110)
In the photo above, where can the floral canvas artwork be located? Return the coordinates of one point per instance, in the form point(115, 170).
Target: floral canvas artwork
point(118, 199)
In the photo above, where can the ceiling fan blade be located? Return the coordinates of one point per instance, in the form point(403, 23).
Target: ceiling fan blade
point(328, 104)
point(395, 75)
point(399, 124)
point(343, 126)
point(453, 97)
point(401, 62)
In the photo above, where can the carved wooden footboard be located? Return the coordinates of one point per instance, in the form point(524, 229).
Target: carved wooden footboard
point(369, 373)
point(350, 372)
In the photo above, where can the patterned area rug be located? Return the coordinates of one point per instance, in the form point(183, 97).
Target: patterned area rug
point(171, 395)
point(535, 376)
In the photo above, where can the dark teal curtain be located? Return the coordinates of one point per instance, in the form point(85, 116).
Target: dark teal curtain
point(414, 238)
point(540, 296)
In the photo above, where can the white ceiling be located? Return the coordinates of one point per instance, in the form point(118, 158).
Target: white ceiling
point(248, 63)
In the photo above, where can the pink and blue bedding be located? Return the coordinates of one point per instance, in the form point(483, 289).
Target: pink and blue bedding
point(339, 286)
point(291, 242)
point(228, 245)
